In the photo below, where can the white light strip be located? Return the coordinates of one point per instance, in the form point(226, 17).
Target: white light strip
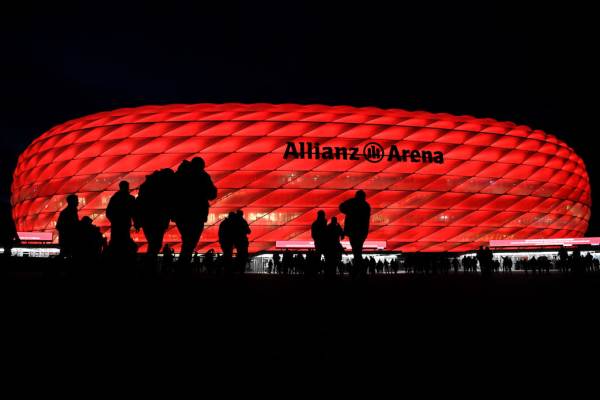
point(33, 251)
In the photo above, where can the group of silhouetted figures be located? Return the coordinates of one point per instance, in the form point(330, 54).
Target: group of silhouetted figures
point(327, 236)
point(182, 197)
point(485, 263)
point(310, 264)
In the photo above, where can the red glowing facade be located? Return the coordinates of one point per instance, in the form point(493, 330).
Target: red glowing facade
point(497, 180)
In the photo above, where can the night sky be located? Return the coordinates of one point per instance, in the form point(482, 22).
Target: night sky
point(532, 65)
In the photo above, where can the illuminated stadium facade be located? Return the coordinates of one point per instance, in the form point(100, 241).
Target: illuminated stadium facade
point(435, 182)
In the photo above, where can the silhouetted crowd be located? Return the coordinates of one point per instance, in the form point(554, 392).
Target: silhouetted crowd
point(183, 196)
point(327, 236)
point(310, 264)
point(180, 196)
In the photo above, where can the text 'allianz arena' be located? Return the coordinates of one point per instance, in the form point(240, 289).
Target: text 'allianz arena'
point(435, 182)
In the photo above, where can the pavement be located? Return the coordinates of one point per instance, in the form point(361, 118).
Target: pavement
point(414, 322)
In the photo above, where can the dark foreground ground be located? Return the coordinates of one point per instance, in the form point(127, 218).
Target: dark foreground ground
point(510, 327)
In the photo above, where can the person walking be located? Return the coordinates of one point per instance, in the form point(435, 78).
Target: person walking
point(120, 212)
point(67, 226)
point(240, 241)
point(318, 233)
point(226, 237)
point(356, 227)
point(194, 190)
point(153, 209)
point(333, 248)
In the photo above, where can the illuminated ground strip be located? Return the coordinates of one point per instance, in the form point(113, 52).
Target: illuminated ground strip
point(309, 244)
point(31, 251)
point(591, 241)
point(497, 180)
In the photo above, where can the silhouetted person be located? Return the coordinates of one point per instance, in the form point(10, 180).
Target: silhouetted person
point(455, 265)
point(480, 254)
point(120, 212)
point(507, 264)
point(317, 231)
point(485, 258)
point(488, 260)
point(356, 227)
point(226, 237)
point(286, 261)
point(194, 190)
point(465, 264)
point(577, 262)
point(154, 207)
point(209, 261)
point(371, 265)
point(8, 230)
point(332, 247)
point(277, 262)
point(67, 226)
point(241, 230)
point(88, 243)
point(563, 257)
point(167, 260)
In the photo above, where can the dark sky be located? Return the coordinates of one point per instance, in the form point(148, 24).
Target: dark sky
point(530, 64)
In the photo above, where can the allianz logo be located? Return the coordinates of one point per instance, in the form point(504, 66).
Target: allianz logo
point(371, 152)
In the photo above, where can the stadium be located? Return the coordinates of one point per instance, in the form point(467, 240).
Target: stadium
point(435, 182)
